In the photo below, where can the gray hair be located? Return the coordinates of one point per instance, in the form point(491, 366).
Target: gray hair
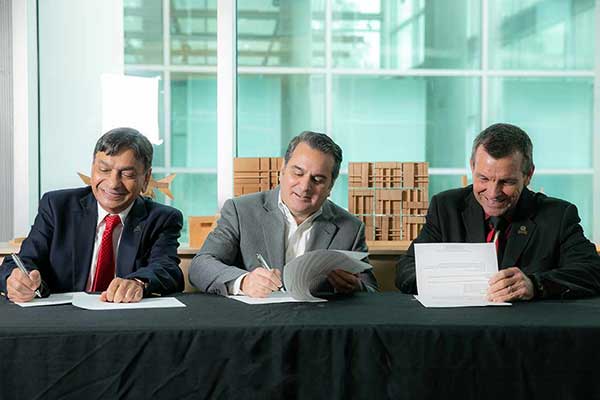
point(502, 140)
point(120, 139)
point(320, 142)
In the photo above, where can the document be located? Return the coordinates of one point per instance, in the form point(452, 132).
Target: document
point(307, 272)
point(52, 300)
point(92, 302)
point(455, 274)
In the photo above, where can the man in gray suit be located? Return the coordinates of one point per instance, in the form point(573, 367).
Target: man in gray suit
point(282, 224)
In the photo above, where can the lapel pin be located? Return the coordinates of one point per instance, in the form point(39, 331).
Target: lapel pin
point(522, 230)
point(138, 228)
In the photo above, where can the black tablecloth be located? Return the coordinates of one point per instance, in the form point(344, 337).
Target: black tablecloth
point(364, 346)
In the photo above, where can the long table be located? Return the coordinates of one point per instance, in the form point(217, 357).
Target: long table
point(363, 346)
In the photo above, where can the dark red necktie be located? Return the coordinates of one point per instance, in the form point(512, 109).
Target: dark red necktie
point(105, 268)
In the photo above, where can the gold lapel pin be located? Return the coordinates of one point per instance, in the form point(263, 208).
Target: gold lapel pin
point(522, 230)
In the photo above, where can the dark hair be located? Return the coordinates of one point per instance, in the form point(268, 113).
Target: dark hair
point(120, 139)
point(321, 142)
point(503, 140)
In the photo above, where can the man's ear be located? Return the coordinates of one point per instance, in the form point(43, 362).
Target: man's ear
point(147, 177)
point(529, 176)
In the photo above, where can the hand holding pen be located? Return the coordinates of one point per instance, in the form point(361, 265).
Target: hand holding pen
point(263, 262)
point(261, 282)
point(23, 285)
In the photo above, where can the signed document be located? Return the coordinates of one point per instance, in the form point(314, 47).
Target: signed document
point(92, 302)
point(306, 272)
point(455, 274)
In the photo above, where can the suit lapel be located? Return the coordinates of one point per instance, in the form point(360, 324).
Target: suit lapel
point(130, 238)
point(273, 229)
point(83, 240)
point(521, 229)
point(473, 218)
point(322, 231)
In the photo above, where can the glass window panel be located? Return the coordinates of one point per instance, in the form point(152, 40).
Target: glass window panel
point(440, 183)
point(195, 195)
point(159, 150)
point(548, 109)
point(281, 33)
point(576, 189)
point(193, 120)
point(142, 25)
point(193, 32)
point(378, 118)
point(272, 109)
point(406, 34)
point(339, 193)
point(541, 34)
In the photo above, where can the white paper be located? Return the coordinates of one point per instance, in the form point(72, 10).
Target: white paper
point(52, 300)
point(92, 302)
point(455, 274)
point(307, 272)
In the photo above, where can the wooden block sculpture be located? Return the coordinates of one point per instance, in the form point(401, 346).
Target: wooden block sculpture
point(199, 228)
point(391, 198)
point(257, 174)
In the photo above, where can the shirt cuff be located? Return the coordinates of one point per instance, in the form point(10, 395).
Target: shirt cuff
point(234, 287)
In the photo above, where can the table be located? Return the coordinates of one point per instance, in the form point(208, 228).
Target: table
point(373, 346)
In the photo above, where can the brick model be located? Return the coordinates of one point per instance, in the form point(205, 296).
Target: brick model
point(391, 198)
point(255, 174)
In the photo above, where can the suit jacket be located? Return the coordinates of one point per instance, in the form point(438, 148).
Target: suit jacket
point(61, 242)
point(254, 224)
point(545, 241)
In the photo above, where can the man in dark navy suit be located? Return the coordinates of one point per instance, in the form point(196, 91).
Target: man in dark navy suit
point(103, 238)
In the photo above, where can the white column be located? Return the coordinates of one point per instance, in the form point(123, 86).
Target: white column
point(226, 97)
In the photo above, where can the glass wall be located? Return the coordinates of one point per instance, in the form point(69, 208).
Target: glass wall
point(389, 80)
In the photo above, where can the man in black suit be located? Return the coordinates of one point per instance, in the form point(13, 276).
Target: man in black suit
point(542, 251)
point(103, 238)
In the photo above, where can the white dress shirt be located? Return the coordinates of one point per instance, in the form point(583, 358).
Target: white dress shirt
point(116, 237)
point(296, 238)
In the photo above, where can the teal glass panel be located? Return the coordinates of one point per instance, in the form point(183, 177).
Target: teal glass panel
point(379, 118)
point(576, 189)
point(287, 33)
point(406, 34)
point(193, 32)
point(159, 149)
point(272, 109)
point(193, 120)
point(339, 193)
point(557, 113)
point(541, 34)
point(143, 31)
point(440, 183)
point(195, 195)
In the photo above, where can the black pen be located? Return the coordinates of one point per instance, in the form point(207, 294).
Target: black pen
point(21, 266)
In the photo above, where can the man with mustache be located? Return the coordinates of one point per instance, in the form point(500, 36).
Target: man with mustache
point(282, 224)
point(103, 238)
point(542, 250)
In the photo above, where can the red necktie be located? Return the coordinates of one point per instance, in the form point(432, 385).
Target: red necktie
point(105, 268)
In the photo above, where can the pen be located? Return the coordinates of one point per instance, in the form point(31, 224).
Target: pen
point(21, 266)
point(263, 262)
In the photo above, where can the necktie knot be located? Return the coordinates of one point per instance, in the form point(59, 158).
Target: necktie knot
point(112, 221)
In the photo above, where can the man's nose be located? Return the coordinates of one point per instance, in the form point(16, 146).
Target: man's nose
point(114, 179)
point(305, 183)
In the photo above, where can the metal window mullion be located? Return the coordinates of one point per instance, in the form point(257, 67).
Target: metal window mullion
point(596, 130)
point(328, 69)
point(167, 86)
point(226, 97)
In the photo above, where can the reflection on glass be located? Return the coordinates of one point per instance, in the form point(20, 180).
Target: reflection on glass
point(541, 34)
point(576, 189)
point(142, 25)
point(193, 32)
point(272, 109)
point(406, 119)
point(193, 120)
point(406, 34)
point(557, 113)
point(195, 195)
point(281, 33)
point(159, 150)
